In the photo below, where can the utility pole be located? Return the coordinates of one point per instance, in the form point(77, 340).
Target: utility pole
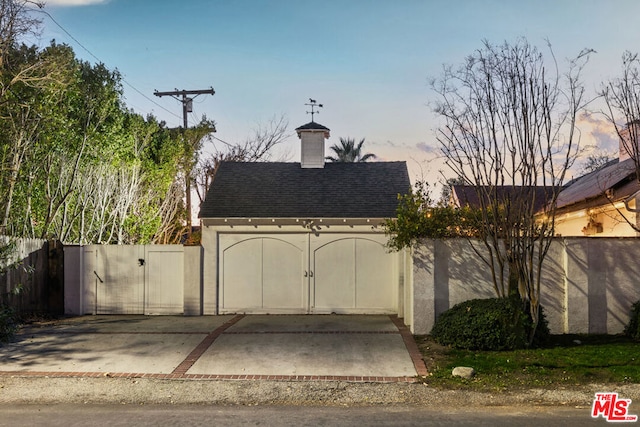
point(187, 107)
point(187, 103)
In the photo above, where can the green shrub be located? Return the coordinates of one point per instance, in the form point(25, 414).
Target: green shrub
point(8, 323)
point(488, 324)
point(633, 327)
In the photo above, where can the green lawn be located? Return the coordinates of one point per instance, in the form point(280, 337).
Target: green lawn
point(563, 362)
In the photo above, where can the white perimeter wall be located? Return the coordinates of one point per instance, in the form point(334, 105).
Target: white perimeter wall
point(588, 284)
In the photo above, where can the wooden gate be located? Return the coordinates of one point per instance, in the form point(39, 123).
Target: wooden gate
point(133, 279)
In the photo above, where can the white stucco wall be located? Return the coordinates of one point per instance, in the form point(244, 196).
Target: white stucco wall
point(588, 285)
point(192, 280)
point(209, 242)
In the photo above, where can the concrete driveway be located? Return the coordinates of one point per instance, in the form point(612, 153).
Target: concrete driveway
point(281, 347)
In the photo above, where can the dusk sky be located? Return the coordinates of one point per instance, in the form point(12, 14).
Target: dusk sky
point(367, 61)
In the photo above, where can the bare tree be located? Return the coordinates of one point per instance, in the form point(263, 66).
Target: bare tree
point(595, 161)
point(510, 130)
point(16, 21)
point(257, 148)
point(22, 132)
point(169, 228)
point(21, 68)
point(447, 189)
point(27, 78)
point(622, 100)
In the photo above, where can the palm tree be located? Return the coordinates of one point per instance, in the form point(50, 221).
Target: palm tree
point(349, 152)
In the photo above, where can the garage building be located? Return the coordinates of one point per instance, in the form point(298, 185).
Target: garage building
point(302, 237)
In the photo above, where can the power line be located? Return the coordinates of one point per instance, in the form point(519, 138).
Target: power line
point(224, 142)
point(102, 62)
point(150, 100)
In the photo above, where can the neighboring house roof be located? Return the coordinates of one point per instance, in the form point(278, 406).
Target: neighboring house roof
point(467, 195)
point(285, 190)
point(615, 181)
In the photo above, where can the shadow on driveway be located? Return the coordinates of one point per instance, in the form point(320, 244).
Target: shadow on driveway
point(233, 347)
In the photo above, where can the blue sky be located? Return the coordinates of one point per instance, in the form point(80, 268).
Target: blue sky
point(367, 61)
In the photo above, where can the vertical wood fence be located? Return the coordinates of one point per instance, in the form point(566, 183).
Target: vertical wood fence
point(34, 281)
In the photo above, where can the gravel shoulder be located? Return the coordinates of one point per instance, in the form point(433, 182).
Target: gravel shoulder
point(43, 390)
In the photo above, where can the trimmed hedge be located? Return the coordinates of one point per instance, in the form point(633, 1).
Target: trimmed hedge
point(633, 327)
point(488, 324)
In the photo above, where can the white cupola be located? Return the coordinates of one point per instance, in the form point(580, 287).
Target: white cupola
point(312, 136)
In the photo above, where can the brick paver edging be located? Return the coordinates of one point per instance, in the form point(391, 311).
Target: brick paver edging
point(310, 332)
point(197, 352)
point(412, 347)
point(180, 372)
point(178, 376)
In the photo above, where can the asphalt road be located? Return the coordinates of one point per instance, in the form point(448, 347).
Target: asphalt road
point(68, 415)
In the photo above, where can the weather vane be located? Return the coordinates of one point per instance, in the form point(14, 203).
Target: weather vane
point(313, 104)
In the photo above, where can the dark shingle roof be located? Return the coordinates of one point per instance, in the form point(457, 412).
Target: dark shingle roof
point(468, 195)
point(312, 126)
point(285, 190)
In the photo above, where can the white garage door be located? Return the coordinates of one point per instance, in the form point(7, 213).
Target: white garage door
point(262, 273)
point(305, 273)
point(352, 275)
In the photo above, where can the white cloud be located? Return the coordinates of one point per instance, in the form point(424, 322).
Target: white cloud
point(70, 3)
point(429, 149)
point(598, 133)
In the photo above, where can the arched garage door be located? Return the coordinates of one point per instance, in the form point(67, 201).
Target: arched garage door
point(262, 274)
point(351, 275)
point(305, 273)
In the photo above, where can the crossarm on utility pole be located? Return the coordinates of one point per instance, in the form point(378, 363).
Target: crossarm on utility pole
point(186, 92)
point(185, 100)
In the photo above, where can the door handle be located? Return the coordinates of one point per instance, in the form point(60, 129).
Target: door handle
point(305, 273)
point(94, 272)
point(311, 274)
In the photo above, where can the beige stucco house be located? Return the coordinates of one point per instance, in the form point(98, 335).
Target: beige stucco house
point(600, 204)
point(603, 203)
